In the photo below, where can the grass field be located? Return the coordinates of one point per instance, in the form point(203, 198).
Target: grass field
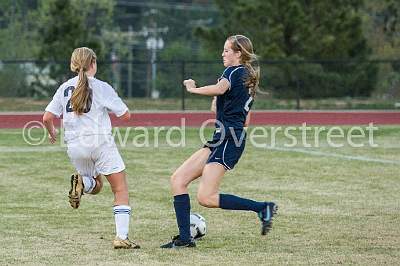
point(337, 206)
point(203, 103)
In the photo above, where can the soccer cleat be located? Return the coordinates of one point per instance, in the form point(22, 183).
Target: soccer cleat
point(176, 242)
point(266, 216)
point(76, 191)
point(118, 243)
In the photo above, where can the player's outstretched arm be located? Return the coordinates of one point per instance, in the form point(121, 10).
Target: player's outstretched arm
point(211, 90)
point(48, 119)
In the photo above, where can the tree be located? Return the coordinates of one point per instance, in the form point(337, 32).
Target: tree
point(382, 20)
point(17, 41)
point(381, 25)
point(66, 24)
point(173, 23)
point(300, 29)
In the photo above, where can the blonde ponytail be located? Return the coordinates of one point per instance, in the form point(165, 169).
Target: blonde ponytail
point(81, 60)
point(81, 94)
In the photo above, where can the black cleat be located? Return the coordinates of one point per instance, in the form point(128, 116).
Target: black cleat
point(178, 243)
point(266, 217)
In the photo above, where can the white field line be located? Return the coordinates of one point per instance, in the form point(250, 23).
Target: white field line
point(11, 149)
point(5, 149)
point(335, 155)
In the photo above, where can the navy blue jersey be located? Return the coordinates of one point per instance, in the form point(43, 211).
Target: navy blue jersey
point(234, 105)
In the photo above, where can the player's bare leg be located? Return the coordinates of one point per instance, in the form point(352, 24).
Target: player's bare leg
point(209, 196)
point(208, 192)
point(190, 170)
point(122, 210)
point(119, 187)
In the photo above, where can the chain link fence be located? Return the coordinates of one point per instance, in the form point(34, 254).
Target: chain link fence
point(293, 82)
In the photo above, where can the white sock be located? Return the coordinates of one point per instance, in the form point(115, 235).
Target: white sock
point(88, 184)
point(122, 214)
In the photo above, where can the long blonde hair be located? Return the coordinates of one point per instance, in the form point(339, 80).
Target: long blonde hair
point(249, 59)
point(81, 60)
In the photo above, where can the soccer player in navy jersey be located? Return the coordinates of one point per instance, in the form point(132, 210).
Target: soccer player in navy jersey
point(234, 93)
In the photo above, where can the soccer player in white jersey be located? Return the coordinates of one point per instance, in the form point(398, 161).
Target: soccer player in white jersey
point(84, 103)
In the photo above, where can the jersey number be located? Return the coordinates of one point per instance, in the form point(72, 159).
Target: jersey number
point(68, 107)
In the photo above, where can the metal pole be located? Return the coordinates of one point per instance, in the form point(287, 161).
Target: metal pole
point(130, 59)
point(183, 87)
point(153, 71)
point(14, 40)
point(297, 88)
point(148, 76)
point(298, 95)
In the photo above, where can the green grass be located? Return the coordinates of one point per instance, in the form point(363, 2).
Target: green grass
point(203, 103)
point(333, 210)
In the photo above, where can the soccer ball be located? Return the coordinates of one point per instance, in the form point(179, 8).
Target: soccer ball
point(197, 225)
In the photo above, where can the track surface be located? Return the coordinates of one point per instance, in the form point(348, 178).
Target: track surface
point(196, 119)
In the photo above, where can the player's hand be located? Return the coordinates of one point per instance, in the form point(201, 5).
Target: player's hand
point(189, 84)
point(53, 136)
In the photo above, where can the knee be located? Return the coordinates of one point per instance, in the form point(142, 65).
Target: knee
point(177, 181)
point(205, 200)
point(119, 188)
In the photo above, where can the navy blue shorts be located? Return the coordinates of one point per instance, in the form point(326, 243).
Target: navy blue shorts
point(226, 152)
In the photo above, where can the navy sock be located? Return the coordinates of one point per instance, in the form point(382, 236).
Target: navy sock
point(232, 202)
point(182, 212)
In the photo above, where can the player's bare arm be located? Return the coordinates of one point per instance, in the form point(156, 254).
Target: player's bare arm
point(48, 119)
point(211, 90)
point(247, 122)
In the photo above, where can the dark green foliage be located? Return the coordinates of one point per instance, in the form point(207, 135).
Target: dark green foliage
point(65, 25)
point(301, 30)
point(280, 30)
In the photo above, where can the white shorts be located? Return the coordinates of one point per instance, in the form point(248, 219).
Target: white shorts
point(94, 155)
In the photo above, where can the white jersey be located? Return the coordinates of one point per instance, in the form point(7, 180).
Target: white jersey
point(94, 122)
